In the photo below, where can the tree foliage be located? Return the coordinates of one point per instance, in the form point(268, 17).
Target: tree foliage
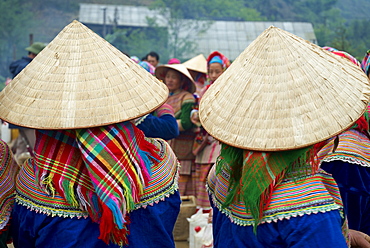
point(139, 42)
point(15, 22)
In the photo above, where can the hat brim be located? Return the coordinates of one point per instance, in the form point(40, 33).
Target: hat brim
point(198, 64)
point(283, 93)
point(80, 80)
point(161, 71)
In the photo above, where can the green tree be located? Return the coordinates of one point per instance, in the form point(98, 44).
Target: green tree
point(14, 23)
point(219, 10)
point(359, 36)
point(139, 41)
point(329, 27)
point(273, 10)
point(173, 14)
point(187, 18)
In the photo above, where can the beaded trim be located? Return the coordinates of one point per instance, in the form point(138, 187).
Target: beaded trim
point(311, 195)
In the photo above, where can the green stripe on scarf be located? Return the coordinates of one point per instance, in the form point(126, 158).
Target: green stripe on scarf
point(253, 174)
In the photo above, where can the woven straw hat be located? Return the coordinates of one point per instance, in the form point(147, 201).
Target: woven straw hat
point(80, 80)
point(198, 63)
point(160, 72)
point(282, 93)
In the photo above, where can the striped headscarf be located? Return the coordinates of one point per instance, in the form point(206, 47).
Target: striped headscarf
point(224, 61)
point(342, 54)
point(8, 172)
point(255, 174)
point(330, 49)
point(147, 66)
point(347, 56)
point(101, 170)
point(365, 64)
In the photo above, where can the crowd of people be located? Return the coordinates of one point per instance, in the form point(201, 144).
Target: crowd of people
point(275, 146)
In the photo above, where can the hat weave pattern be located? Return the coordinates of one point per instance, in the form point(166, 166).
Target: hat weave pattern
point(80, 80)
point(198, 63)
point(282, 93)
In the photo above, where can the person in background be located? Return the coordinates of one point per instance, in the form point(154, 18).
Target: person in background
point(206, 149)
point(160, 123)
point(95, 179)
point(365, 64)
point(346, 157)
point(153, 58)
point(17, 66)
point(217, 63)
point(181, 88)
point(147, 66)
point(135, 59)
point(266, 188)
point(8, 172)
point(197, 67)
point(24, 143)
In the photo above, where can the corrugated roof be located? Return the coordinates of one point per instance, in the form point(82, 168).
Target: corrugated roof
point(126, 15)
point(228, 37)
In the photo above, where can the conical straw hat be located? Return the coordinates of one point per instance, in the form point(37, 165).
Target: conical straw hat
point(160, 72)
point(198, 63)
point(283, 93)
point(80, 80)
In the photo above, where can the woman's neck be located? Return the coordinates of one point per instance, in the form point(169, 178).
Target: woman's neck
point(174, 92)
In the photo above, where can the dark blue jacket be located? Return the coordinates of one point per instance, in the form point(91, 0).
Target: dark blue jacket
point(164, 127)
point(17, 66)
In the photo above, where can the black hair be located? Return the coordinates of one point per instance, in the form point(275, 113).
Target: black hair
point(153, 54)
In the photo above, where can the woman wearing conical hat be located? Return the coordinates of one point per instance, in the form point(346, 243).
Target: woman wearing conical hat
point(197, 68)
point(161, 123)
point(181, 88)
point(271, 110)
point(95, 179)
point(206, 148)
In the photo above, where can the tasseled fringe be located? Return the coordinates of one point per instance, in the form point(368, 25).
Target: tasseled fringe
point(95, 210)
point(148, 156)
point(46, 184)
point(69, 194)
point(109, 231)
point(130, 196)
point(362, 124)
point(85, 205)
point(254, 175)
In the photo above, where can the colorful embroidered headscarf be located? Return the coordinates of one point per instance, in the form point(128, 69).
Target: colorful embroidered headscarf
point(135, 59)
point(217, 57)
point(254, 174)
point(330, 49)
point(347, 56)
point(365, 64)
point(102, 170)
point(147, 66)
